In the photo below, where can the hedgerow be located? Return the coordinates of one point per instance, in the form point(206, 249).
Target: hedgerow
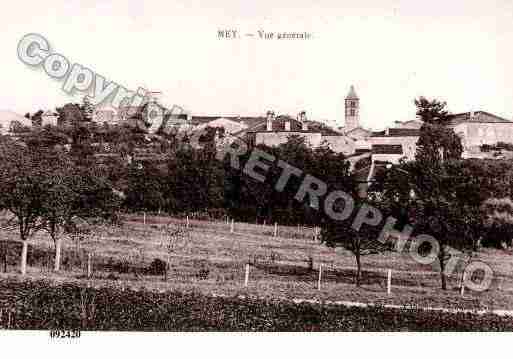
point(39, 305)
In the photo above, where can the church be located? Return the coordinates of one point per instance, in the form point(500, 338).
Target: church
point(400, 141)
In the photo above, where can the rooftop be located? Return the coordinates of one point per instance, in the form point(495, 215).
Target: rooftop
point(352, 94)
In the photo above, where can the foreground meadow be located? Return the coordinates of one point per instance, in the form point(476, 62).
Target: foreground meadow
point(212, 261)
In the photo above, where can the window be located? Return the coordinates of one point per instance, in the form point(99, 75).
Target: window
point(352, 112)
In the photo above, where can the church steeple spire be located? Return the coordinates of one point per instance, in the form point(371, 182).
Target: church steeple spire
point(352, 106)
point(352, 94)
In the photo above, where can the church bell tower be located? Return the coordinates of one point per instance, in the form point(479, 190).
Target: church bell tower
point(352, 105)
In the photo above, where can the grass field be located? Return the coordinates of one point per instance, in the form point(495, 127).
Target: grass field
point(213, 260)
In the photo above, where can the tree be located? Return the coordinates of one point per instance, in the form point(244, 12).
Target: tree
point(145, 188)
point(87, 109)
point(61, 188)
point(177, 238)
point(21, 191)
point(37, 119)
point(498, 219)
point(47, 137)
point(360, 242)
point(432, 112)
point(70, 191)
point(438, 200)
point(70, 114)
point(437, 144)
point(195, 179)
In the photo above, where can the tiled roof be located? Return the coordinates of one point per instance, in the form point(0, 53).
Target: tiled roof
point(359, 151)
point(387, 149)
point(397, 132)
point(400, 132)
point(250, 121)
point(278, 124)
point(478, 116)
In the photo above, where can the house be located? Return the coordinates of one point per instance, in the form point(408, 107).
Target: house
point(479, 128)
point(12, 123)
point(393, 144)
point(49, 118)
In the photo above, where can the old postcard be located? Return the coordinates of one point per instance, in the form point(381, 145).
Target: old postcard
point(271, 166)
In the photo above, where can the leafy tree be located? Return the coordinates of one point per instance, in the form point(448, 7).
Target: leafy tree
point(196, 179)
point(37, 119)
point(436, 144)
point(498, 220)
point(87, 109)
point(47, 137)
point(59, 199)
point(432, 112)
point(21, 190)
point(70, 114)
point(145, 188)
point(359, 241)
point(439, 200)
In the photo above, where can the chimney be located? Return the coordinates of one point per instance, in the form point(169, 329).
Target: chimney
point(270, 119)
point(302, 119)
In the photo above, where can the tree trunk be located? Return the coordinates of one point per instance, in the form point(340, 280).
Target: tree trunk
point(58, 246)
point(358, 269)
point(443, 277)
point(24, 251)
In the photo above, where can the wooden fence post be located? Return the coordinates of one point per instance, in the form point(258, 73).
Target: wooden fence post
point(89, 266)
point(187, 222)
point(246, 278)
point(275, 229)
point(463, 284)
point(389, 282)
point(320, 277)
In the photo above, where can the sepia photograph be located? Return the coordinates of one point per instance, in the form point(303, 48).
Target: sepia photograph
point(183, 167)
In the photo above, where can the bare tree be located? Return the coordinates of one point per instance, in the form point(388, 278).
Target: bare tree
point(177, 237)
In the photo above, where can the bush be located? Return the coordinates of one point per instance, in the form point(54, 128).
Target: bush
point(41, 306)
point(157, 267)
point(203, 273)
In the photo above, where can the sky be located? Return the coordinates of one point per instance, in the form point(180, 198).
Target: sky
point(392, 51)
